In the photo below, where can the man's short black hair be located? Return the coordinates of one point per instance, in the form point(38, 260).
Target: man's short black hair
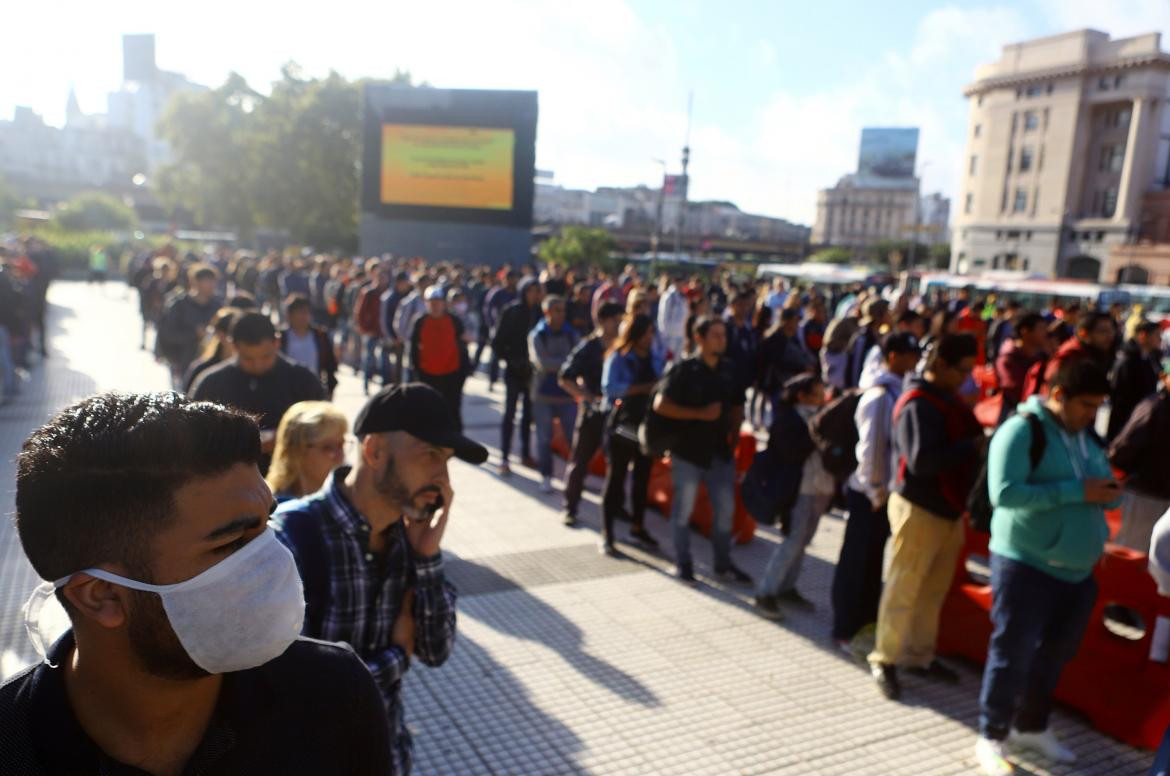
point(97, 482)
point(610, 310)
point(253, 329)
point(1089, 320)
point(953, 348)
point(204, 272)
point(704, 324)
point(1081, 377)
point(1027, 321)
point(296, 302)
point(1147, 327)
point(907, 317)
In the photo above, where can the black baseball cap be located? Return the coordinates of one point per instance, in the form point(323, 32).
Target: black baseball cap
point(900, 342)
point(420, 411)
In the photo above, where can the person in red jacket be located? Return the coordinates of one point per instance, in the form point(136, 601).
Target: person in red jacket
point(1096, 338)
point(438, 352)
point(1018, 355)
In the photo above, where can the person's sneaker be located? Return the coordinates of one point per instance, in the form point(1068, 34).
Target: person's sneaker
point(570, 520)
point(684, 574)
point(936, 671)
point(528, 461)
point(734, 574)
point(1045, 743)
point(546, 484)
point(505, 470)
point(886, 677)
point(794, 598)
point(643, 537)
point(990, 756)
point(608, 549)
point(767, 608)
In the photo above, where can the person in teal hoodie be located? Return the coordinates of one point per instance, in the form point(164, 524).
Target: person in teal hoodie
point(1047, 533)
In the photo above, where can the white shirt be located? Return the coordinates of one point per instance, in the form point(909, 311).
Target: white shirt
point(303, 350)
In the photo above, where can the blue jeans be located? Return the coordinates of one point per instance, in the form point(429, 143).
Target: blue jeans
point(1161, 766)
point(720, 481)
point(7, 366)
point(1038, 622)
point(783, 567)
point(543, 414)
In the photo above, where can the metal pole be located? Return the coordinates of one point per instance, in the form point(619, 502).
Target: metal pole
point(657, 236)
point(682, 203)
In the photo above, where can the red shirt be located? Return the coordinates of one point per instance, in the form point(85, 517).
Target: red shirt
point(438, 353)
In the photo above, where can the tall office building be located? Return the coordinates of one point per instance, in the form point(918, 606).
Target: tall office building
point(1067, 135)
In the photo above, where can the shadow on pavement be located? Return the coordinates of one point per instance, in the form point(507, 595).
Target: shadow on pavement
point(527, 617)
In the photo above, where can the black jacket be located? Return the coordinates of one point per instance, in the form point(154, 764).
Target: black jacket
point(933, 458)
point(326, 356)
point(510, 342)
point(1134, 378)
point(1140, 449)
point(269, 395)
point(314, 709)
point(181, 328)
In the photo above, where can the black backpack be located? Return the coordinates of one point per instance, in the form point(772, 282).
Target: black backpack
point(834, 432)
point(657, 433)
point(979, 506)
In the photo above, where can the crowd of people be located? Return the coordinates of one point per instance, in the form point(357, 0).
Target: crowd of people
point(27, 267)
point(873, 400)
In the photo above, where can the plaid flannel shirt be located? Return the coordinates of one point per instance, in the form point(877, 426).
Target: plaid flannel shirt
point(366, 593)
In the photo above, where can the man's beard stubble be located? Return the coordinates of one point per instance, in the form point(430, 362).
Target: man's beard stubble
point(395, 491)
point(154, 643)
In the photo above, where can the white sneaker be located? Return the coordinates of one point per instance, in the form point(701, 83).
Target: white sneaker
point(546, 485)
point(1045, 743)
point(992, 762)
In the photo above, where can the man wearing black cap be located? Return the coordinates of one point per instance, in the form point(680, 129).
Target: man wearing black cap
point(367, 544)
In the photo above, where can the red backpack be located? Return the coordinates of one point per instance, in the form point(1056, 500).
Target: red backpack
point(955, 483)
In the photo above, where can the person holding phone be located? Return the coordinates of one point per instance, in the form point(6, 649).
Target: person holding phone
point(367, 544)
point(1047, 533)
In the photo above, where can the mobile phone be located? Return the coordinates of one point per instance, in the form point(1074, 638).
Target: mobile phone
point(430, 509)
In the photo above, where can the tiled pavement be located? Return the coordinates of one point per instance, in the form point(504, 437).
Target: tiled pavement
point(568, 662)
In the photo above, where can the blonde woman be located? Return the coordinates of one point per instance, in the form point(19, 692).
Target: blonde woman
point(310, 444)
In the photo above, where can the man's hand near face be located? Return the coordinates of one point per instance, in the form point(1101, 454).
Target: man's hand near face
point(426, 535)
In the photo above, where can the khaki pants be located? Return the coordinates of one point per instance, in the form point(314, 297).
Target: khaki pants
point(922, 567)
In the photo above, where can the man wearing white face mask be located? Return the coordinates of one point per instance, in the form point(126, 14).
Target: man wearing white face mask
point(149, 512)
point(367, 544)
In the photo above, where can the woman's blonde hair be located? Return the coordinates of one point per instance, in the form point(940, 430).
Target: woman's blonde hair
point(304, 424)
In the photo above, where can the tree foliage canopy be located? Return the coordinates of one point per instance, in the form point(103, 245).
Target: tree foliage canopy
point(285, 160)
point(578, 246)
point(94, 210)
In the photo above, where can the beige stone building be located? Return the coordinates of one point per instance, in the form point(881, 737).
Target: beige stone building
point(857, 213)
point(1067, 135)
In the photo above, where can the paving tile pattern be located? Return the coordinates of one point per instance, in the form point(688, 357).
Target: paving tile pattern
point(571, 663)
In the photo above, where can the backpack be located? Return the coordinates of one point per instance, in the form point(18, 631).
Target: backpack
point(770, 489)
point(979, 506)
point(834, 432)
point(368, 312)
point(658, 433)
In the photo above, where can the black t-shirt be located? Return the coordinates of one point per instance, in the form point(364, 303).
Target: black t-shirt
point(269, 395)
point(691, 383)
point(587, 361)
point(314, 709)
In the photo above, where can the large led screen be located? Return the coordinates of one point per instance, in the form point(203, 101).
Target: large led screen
point(436, 166)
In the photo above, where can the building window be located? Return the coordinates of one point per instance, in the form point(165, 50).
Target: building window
point(1117, 119)
point(998, 234)
point(1109, 201)
point(1021, 202)
point(1015, 117)
point(1049, 89)
point(971, 166)
point(1034, 90)
point(977, 128)
point(1028, 235)
point(1025, 158)
point(1112, 157)
point(1024, 266)
point(1013, 235)
point(1117, 80)
point(1103, 84)
point(1031, 120)
point(1100, 236)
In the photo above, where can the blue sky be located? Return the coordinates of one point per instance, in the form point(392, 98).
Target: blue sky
point(781, 89)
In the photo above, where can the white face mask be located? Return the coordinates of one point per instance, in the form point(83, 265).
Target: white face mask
point(241, 613)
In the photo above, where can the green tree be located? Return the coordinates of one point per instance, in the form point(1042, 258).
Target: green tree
point(10, 202)
point(832, 256)
point(211, 175)
point(94, 210)
point(578, 246)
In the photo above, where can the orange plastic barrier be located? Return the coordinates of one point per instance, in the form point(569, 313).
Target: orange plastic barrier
point(661, 494)
point(1111, 679)
point(562, 445)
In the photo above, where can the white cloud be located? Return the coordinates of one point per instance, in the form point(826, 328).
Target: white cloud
point(1119, 18)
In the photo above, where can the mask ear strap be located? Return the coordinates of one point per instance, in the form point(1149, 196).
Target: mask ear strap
point(32, 619)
